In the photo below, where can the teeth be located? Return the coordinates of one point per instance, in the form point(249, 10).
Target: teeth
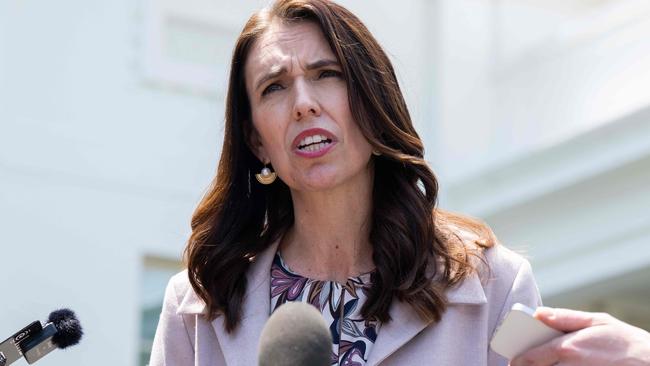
point(315, 139)
point(315, 147)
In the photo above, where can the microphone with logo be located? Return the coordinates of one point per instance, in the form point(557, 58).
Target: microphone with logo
point(295, 335)
point(37, 340)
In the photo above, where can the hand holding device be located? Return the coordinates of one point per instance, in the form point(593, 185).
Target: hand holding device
point(520, 331)
point(593, 339)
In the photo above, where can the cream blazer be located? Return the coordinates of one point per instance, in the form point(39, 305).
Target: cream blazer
point(476, 307)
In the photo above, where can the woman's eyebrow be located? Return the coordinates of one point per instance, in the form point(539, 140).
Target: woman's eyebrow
point(321, 63)
point(281, 70)
point(277, 71)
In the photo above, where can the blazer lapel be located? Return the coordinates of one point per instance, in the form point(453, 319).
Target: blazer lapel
point(406, 323)
point(240, 347)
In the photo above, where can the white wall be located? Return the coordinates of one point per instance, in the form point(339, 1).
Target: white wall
point(519, 76)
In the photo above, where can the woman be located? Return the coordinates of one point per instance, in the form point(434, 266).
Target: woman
point(350, 223)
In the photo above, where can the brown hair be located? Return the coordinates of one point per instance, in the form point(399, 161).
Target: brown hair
point(412, 240)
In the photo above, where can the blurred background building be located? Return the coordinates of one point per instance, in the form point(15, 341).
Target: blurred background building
point(535, 114)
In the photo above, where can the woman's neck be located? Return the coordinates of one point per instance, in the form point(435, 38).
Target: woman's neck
point(329, 239)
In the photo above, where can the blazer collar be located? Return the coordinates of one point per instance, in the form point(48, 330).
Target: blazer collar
point(191, 304)
point(406, 323)
point(240, 347)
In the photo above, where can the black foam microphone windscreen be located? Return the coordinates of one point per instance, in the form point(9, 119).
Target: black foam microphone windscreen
point(69, 330)
point(295, 335)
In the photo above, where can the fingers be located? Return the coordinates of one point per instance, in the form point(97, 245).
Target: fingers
point(569, 320)
point(547, 354)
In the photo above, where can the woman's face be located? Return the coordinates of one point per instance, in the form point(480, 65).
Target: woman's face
point(300, 110)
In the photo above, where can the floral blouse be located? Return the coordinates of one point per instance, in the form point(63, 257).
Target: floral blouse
point(340, 305)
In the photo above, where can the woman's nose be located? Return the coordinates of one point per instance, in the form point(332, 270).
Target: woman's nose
point(305, 102)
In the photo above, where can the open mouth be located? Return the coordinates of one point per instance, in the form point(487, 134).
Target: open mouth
point(314, 143)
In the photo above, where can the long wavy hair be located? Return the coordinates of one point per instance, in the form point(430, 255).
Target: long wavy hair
point(417, 252)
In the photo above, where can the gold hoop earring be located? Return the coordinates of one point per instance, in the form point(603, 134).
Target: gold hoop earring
point(266, 176)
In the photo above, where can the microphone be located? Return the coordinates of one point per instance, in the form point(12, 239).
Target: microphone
point(36, 340)
point(295, 335)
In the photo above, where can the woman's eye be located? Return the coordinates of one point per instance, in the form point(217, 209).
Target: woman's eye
point(271, 88)
point(329, 73)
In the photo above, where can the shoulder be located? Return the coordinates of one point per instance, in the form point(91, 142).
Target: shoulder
point(506, 268)
point(506, 277)
point(181, 295)
point(501, 277)
point(503, 263)
point(180, 283)
point(177, 287)
point(175, 337)
point(496, 265)
point(491, 260)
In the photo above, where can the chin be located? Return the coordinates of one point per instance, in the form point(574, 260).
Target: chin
point(322, 184)
point(321, 180)
point(324, 178)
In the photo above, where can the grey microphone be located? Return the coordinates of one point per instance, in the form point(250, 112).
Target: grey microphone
point(295, 335)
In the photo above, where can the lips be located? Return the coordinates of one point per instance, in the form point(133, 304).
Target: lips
point(313, 142)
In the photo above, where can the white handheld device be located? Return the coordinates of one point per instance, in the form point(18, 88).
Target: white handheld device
point(520, 331)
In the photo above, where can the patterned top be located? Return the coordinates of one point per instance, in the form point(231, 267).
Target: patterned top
point(340, 305)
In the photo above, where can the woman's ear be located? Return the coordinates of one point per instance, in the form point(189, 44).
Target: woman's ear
point(254, 143)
